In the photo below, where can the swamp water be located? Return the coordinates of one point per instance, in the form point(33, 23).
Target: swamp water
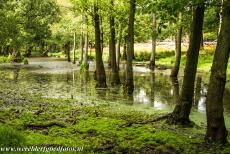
point(52, 78)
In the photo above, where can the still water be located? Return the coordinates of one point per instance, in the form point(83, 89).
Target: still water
point(53, 78)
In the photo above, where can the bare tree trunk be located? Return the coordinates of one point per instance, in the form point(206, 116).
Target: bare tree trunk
point(119, 47)
point(176, 67)
point(216, 129)
point(202, 42)
point(74, 47)
point(220, 16)
point(125, 49)
point(81, 46)
point(129, 85)
point(85, 61)
point(102, 34)
point(100, 70)
point(182, 110)
point(154, 41)
point(67, 50)
point(176, 90)
point(112, 48)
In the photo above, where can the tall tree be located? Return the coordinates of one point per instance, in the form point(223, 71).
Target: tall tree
point(100, 70)
point(85, 59)
point(81, 42)
point(112, 47)
point(154, 41)
point(216, 130)
point(182, 110)
point(178, 39)
point(129, 85)
point(118, 49)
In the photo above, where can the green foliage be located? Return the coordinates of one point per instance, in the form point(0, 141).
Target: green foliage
point(10, 137)
point(142, 56)
point(25, 61)
point(4, 59)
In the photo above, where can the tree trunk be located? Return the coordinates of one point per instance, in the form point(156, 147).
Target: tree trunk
point(67, 51)
point(154, 42)
point(176, 67)
point(176, 90)
point(74, 47)
point(125, 49)
point(202, 42)
point(102, 34)
point(29, 51)
point(81, 46)
point(100, 70)
point(119, 47)
point(85, 61)
point(112, 45)
point(182, 110)
point(129, 85)
point(220, 16)
point(216, 130)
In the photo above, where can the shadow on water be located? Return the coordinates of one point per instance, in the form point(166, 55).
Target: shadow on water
point(59, 79)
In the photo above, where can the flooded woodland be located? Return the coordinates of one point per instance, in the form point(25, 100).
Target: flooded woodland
point(115, 76)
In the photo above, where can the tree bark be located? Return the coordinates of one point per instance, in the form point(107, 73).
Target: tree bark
point(154, 42)
point(74, 47)
point(112, 47)
point(102, 34)
point(119, 47)
point(220, 16)
point(182, 110)
point(216, 130)
point(125, 49)
point(81, 46)
point(129, 85)
point(176, 90)
point(176, 67)
point(100, 70)
point(85, 59)
point(67, 51)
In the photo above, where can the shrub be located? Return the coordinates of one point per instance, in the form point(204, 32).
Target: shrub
point(25, 61)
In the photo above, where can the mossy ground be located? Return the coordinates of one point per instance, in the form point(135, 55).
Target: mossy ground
point(99, 127)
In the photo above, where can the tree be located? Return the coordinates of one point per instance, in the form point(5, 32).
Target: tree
point(182, 110)
point(129, 85)
point(85, 59)
point(100, 70)
point(216, 130)
point(112, 50)
point(154, 42)
point(178, 39)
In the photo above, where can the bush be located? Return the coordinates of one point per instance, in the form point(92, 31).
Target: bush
point(142, 56)
point(25, 61)
point(8, 59)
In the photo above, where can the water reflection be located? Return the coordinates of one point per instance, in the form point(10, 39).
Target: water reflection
point(58, 79)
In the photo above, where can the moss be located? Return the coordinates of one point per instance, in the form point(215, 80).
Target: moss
point(10, 137)
point(100, 127)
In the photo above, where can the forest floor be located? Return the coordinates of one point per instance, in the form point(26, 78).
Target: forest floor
point(98, 127)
